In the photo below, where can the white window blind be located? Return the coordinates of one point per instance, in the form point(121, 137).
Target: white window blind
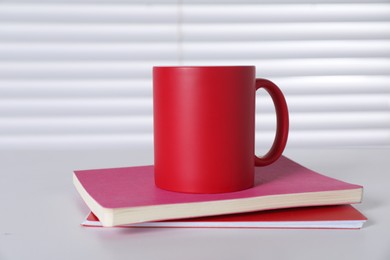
point(77, 74)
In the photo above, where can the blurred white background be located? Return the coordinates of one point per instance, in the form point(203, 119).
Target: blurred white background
point(77, 74)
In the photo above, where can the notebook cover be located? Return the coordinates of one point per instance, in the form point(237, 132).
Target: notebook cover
point(134, 186)
point(341, 216)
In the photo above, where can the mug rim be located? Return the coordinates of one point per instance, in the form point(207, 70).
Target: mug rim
point(204, 66)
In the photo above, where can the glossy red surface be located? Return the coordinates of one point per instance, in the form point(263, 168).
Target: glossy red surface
point(204, 127)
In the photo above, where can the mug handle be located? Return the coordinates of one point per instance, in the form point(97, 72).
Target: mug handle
point(282, 123)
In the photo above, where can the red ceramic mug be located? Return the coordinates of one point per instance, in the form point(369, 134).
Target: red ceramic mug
point(204, 127)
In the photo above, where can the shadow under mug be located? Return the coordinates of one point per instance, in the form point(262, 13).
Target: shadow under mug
point(204, 127)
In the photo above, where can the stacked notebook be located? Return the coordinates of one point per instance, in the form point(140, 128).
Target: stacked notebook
point(286, 195)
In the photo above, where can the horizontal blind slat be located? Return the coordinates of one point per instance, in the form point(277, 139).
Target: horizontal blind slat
point(78, 70)
point(144, 106)
point(89, 88)
point(285, 50)
point(95, 88)
point(98, 2)
point(144, 124)
point(339, 138)
point(329, 103)
point(76, 107)
point(88, 52)
point(118, 141)
point(98, 88)
point(76, 125)
point(285, 31)
point(280, 13)
point(309, 67)
point(87, 13)
point(47, 32)
point(79, 141)
point(269, 68)
point(206, 2)
point(194, 51)
point(328, 85)
point(193, 32)
point(192, 13)
point(327, 121)
point(267, 2)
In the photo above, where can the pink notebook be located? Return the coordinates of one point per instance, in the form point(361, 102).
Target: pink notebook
point(324, 217)
point(128, 195)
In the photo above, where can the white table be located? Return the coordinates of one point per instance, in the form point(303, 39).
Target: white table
point(41, 214)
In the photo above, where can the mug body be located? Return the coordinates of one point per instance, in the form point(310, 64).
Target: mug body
point(204, 128)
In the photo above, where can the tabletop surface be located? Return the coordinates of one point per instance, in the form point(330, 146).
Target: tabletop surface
point(41, 213)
